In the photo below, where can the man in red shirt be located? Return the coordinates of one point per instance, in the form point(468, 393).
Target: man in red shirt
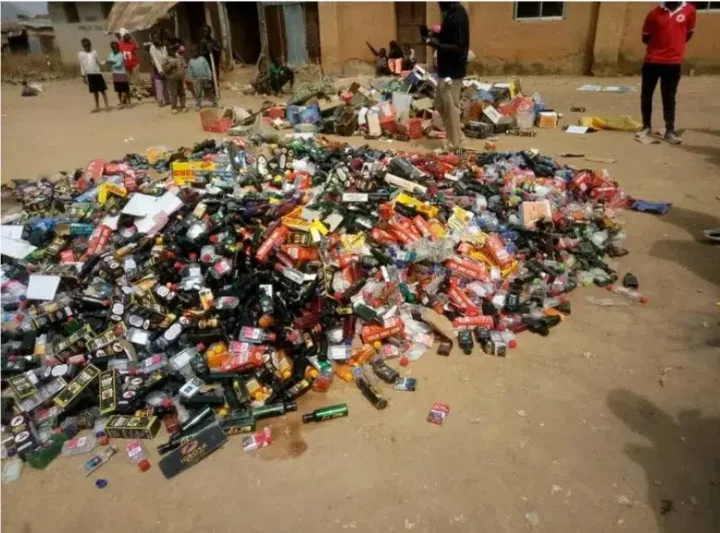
point(127, 46)
point(666, 30)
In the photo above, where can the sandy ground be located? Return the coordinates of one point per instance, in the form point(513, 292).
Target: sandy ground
point(570, 433)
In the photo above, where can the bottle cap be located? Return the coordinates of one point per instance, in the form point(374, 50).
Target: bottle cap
point(144, 465)
point(512, 343)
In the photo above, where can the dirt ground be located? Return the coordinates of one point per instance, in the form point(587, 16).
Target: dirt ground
point(569, 433)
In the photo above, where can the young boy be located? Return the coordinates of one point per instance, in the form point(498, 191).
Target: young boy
point(129, 48)
point(279, 75)
point(381, 60)
point(121, 79)
point(201, 76)
point(90, 70)
point(174, 70)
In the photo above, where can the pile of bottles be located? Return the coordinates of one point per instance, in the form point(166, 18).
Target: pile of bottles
point(221, 283)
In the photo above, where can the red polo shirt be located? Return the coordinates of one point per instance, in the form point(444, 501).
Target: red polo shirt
point(668, 32)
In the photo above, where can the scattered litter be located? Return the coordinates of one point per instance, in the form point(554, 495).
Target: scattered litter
point(578, 130)
point(532, 518)
point(592, 88)
point(666, 506)
point(658, 208)
point(211, 289)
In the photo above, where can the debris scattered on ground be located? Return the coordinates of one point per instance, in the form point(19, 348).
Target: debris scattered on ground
point(209, 288)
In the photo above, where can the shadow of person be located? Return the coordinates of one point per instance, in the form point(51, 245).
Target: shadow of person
point(702, 260)
point(694, 222)
point(682, 462)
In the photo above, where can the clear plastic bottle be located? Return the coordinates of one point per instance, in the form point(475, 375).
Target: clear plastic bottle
point(11, 469)
point(138, 454)
point(630, 294)
point(79, 445)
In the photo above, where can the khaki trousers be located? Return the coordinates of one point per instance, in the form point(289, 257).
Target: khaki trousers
point(447, 103)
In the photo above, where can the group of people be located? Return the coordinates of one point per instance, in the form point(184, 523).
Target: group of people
point(667, 29)
point(172, 73)
point(394, 62)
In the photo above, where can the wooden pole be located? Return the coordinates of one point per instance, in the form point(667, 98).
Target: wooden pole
point(214, 74)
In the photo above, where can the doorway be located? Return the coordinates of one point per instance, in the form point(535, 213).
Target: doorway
point(409, 16)
point(245, 31)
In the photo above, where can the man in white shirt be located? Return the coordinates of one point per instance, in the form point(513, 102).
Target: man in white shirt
point(92, 77)
point(158, 53)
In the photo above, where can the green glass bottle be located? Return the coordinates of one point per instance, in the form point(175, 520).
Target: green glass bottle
point(326, 413)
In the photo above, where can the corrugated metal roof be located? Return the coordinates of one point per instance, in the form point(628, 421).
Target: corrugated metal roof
point(136, 16)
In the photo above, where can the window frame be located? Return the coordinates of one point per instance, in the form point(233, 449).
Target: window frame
point(540, 17)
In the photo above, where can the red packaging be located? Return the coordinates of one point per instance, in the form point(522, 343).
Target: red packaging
point(276, 112)
point(348, 259)
point(460, 298)
point(67, 256)
point(438, 413)
point(394, 326)
point(278, 236)
point(423, 227)
point(99, 239)
point(130, 181)
point(465, 322)
point(468, 268)
point(383, 237)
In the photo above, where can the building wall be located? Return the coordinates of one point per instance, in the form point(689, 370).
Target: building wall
point(702, 52)
point(345, 26)
point(69, 34)
point(597, 37)
point(553, 46)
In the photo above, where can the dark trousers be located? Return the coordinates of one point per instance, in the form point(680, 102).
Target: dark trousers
point(669, 76)
point(177, 93)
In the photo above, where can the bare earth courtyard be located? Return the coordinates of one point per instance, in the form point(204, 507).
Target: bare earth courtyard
point(569, 433)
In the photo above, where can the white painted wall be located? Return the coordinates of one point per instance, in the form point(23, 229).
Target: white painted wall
point(69, 34)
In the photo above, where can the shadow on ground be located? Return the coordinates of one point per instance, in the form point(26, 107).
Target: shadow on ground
point(682, 462)
point(701, 256)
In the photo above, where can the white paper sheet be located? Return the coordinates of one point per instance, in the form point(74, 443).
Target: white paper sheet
point(41, 287)
point(17, 249)
point(12, 232)
point(577, 129)
point(140, 205)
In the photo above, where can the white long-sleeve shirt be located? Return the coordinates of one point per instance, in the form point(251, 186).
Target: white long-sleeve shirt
point(89, 62)
point(158, 56)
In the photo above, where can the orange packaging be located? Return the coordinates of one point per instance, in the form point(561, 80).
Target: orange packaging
point(242, 356)
point(300, 253)
point(362, 354)
point(217, 355)
point(344, 371)
point(495, 248)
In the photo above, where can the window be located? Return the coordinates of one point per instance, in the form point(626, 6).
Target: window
point(539, 10)
point(71, 12)
point(707, 7)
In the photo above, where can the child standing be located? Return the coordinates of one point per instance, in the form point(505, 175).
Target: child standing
point(158, 53)
point(90, 70)
point(121, 79)
point(174, 70)
point(201, 76)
